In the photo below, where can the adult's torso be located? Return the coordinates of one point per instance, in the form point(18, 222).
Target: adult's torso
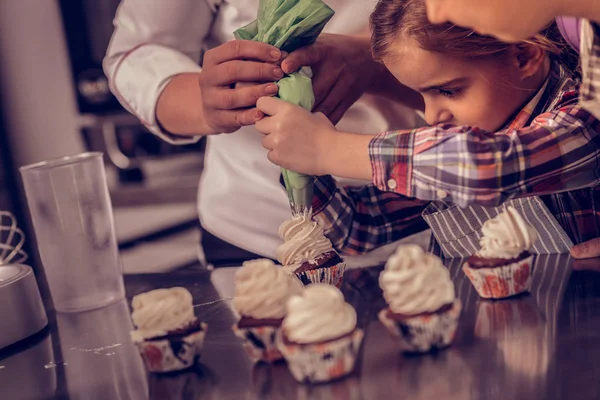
point(240, 197)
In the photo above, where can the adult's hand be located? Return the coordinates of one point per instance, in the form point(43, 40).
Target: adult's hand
point(343, 69)
point(210, 102)
point(589, 249)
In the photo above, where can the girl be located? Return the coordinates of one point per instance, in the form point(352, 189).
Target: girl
point(506, 125)
point(515, 19)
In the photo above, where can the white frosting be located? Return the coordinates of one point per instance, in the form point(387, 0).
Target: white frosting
point(304, 240)
point(415, 282)
point(318, 314)
point(506, 236)
point(262, 289)
point(159, 311)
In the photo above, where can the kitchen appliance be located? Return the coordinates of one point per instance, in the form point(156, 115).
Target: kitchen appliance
point(88, 28)
point(22, 312)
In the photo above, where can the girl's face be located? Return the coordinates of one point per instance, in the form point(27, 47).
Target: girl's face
point(484, 93)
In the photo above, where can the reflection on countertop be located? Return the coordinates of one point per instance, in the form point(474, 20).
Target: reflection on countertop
point(541, 345)
point(26, 371)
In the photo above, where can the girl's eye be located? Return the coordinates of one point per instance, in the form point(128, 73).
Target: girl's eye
point(450, 93)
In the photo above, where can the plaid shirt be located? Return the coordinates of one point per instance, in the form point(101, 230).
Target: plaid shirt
point(552, 146)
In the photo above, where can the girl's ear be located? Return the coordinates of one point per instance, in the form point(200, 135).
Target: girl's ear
point(528, 58)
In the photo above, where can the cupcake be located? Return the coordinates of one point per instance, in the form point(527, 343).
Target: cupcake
point(168, 335)
point(319, 338)
point(422, 313)
point(503, 266)
point(308, 254)
point(261, 292)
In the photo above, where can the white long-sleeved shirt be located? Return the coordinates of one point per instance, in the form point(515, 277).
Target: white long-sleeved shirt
point(240, 198)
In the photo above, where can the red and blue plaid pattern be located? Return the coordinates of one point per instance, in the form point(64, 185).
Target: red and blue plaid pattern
point(551, 149)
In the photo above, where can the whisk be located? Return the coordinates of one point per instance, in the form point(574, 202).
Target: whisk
point(12, 240)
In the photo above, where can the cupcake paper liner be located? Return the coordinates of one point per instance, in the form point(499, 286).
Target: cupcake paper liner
point(172, 354)
point(321, 362)
point(330, 275)
point(423, 333)
point(501, 282)
point(259, 342)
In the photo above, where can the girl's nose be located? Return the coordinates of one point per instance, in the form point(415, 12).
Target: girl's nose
point(434, 117)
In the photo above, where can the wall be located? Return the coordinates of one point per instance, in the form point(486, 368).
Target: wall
point(37, 95)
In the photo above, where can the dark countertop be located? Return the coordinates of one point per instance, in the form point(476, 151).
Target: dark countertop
point(544, 345)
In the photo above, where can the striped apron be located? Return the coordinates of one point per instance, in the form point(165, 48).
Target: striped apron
point(457, 231)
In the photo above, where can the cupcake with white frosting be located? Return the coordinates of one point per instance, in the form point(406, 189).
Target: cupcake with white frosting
point(319, 338)
point(503, 266)
point(262, 290)
point(167, 333)
point(308, 254)
point(422, 312)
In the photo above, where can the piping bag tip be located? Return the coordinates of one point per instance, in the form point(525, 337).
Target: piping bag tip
point(300, 190)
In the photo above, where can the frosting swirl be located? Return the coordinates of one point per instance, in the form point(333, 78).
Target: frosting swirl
point(157, 312)
point(262, 289)
point(415, 282)
point(304, 240)
point(506, 236)
point(318, 314)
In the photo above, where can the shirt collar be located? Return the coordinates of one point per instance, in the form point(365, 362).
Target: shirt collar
point(526, 112)
point(559, 81)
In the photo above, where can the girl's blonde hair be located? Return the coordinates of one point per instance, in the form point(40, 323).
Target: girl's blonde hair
point(393, 18)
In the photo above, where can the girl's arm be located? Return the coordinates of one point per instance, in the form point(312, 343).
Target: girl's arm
point(465, 165)
point(460, 165)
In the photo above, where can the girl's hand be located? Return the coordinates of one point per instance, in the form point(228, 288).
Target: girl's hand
point(296, 139)
point(589, 249)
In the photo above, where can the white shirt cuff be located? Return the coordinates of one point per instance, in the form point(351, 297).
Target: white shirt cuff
point(140, 77)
